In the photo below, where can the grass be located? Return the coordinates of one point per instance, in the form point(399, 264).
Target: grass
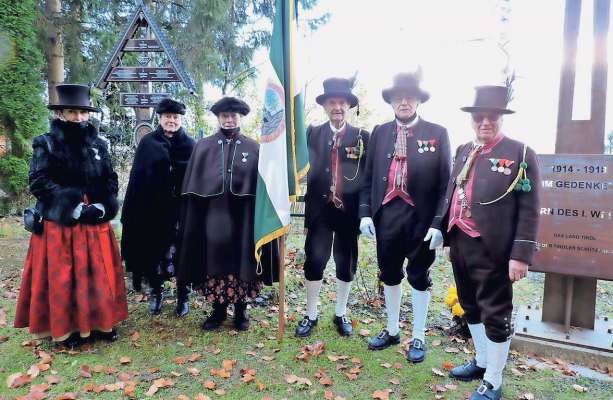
point(164, 338)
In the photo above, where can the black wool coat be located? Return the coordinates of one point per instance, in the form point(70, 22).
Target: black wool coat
point(509, 226)
point(319, 177)
point(68, 163)
point(428, 172)
point(151, 206)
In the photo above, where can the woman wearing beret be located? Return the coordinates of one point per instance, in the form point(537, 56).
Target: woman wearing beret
point(216, 252)
point(72, 285)
point(151, 207)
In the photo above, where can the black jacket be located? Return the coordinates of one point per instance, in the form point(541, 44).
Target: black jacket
point(151, 205)
point(67, 163)
point(428, 172)
point(319, 177)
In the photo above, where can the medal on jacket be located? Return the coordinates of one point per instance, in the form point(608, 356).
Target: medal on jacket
point(244, 157)
point(96, 155)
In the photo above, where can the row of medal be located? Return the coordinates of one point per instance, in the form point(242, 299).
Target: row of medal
point(426, 145)
point(501, 165)
point(463, 202)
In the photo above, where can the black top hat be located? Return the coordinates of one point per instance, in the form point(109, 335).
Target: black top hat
point(73, 96)
point(490, 98)
point(407, 84)
point(338, 87)
point(230, 104)
point(170, 106)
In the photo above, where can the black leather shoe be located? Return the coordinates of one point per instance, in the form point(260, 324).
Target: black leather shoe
point(417, 351)
point(219, 315)
point(241, 318)
point(467, 372)
point(486, 391)
point(155, 302)
point(182, 308)
point(111, 336)
point(305, 326)
point(383, 340)
point(343, 325)
point(74, 340)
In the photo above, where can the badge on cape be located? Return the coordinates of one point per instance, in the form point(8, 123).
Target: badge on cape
point(245, 155)
point(96, 155)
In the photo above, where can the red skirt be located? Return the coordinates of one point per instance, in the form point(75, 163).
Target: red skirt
point(72, 282)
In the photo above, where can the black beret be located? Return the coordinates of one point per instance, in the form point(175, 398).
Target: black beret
point(230, 104)
point(170, 106)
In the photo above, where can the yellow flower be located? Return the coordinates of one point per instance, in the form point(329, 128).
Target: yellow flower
point(457, 310)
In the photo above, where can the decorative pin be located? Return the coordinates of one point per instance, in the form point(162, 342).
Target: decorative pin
point(96, 155)
point(432, 142)
point(245, 155)
point(500, 165)
point(494, 162)
point(468, 214)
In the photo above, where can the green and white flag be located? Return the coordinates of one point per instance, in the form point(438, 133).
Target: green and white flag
point(283, 157)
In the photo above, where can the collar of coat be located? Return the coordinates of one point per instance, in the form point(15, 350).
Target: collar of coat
point(60, 130)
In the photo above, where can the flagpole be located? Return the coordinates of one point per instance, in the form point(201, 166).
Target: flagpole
point(281, 325)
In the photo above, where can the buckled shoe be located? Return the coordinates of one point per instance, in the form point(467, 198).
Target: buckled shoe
point(305, 327)
point(383, 340)
point(343, 325)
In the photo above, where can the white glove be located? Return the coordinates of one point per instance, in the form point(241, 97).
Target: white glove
point(435, 237)
point(367, 227)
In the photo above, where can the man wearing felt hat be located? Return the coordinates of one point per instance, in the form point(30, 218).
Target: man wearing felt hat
point(407, 169)
point(490, 222)
point(337, 153)
point(151, 205)
point(216, 230)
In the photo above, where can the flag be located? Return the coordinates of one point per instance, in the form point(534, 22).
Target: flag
point(283, 157)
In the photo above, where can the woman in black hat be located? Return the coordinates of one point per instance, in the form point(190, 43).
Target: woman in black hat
point(72, 285)
point(151, 207)
point(216, 251)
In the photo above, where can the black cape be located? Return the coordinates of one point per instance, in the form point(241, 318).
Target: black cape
point(151, 205)
point(217, 213)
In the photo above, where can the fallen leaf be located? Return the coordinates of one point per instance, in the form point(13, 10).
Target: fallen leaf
point(45, 358)
point(33, 371)
point(259, 386)
point(220, 392)
point(397, 365)
point(328, 395)
point(134, 336)
point(85, 372)
point(364, 332)
point(228, 364)
point(163, 382)
point(43, 387)
point(526, 396)
point(579, 388)
point(125, 360)
point(67, 396)
point(291, 379)
point(201, 396)
point(194, 357)
point(209, 384)
point(111, 370)
point(381, 394)
point(233, 332)
point(52, 379)
point(451, 386)
point(350, 376)
point(435, 343)
point(395, 381)
point(193, 371)
point(152, 390)
point(386, 365)
point(182, 397)
point(3, 317)
point(180, 360)
point(438, 372)
point(452, 350)
point(516, 372)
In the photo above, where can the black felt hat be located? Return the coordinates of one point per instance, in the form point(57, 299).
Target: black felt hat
point(406, 84)
point(170, 106)
point(490, 98)
point(73, 96)
point(338, 87)
point(230, 104)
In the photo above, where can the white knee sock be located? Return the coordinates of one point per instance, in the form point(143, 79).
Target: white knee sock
point(477, 331)
point(312, 288)
point(342, 296)
point(393, 297)
point(496, 360)
point(420, 300)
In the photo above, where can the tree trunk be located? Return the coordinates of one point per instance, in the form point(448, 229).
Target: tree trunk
point(55, 50)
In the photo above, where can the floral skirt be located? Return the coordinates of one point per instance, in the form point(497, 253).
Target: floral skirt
point(72, 282)
point(229, 289)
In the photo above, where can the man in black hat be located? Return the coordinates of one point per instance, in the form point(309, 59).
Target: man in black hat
point(407, 169)
point(151, 206)
point(490, 221)
point(337, 153)
point(216, 251)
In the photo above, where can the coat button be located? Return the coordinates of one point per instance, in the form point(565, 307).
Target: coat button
point(389, 155)
point(229, 170)
point(385, 179)
point(219, 141)
point(330, 143)
point(238, 142)
point(327, 169)
point(324, 196)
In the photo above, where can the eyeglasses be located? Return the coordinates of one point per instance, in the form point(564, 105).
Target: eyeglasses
point(478, 118)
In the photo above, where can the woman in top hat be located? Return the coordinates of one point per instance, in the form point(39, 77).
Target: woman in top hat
point(490, 182)
point(216, 251)
point(150, 210)
point(407, 169)
point(337, 154)
point(72, 285)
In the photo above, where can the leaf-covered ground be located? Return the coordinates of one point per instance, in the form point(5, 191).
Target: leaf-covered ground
point(166, 358)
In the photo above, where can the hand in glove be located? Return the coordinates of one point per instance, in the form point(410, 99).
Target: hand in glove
point(367, 227)
point(435, 237)
point(91, 215)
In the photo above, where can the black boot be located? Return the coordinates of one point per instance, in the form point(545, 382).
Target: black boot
point(241, 318)
point(156, 299)
point(110, 336)
point(219, 315)
point(182, 301)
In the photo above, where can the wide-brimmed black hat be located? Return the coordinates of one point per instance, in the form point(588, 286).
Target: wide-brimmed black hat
point(73, 96)
point(338, 87)
point(230, 104)
point(490, 98)
point(406, 84)
point(170, 106)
